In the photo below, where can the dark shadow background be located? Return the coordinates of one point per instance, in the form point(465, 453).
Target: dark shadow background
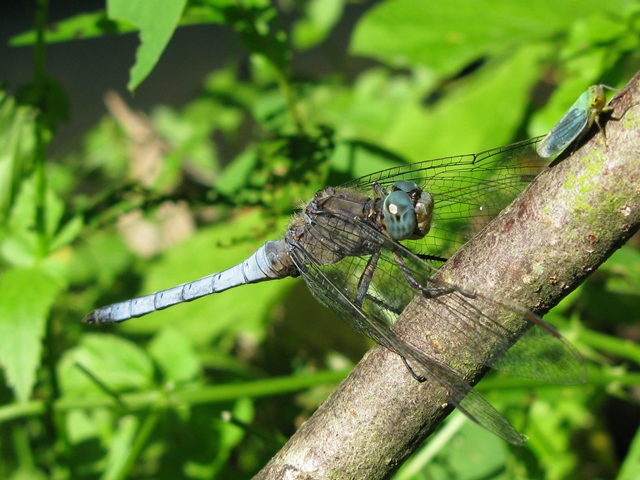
point(88, 68)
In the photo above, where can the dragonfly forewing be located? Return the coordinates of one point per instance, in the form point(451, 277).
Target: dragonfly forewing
point(328, 288)
point(399, 276)
point(468, 190)
point(371, 290)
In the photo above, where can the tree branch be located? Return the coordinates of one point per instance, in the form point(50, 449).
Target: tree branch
point(540, 248)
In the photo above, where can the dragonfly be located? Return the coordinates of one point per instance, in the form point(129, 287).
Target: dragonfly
point(367, 248)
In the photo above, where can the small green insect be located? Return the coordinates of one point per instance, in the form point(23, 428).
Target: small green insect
point(577, 121)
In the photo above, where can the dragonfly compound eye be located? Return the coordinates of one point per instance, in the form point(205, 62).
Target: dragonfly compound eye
point(399, 216)
point(406, 186)
point(424, 213)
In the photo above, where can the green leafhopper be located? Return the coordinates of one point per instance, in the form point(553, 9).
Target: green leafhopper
point(576, 121)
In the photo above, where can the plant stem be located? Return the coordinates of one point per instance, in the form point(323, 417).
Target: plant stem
point(40, 82)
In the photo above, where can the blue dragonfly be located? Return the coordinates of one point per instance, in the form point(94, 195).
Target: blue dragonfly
point(367, 248)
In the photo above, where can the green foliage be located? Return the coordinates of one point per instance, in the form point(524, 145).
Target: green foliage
point(395, 32)
point(155, 30)
point(25, 301)
point(213, 388)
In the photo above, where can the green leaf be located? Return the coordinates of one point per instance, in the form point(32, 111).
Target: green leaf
point(156, 28)
point(630, 469)
point(474, 450)
point(30, 472)
point(384, 119)
point(483, 112)
point(120, 447)
point(623, 269)
point(100, 260)
point(551, 421)
point(82, 26)
point(237, 174)
point(67, 233)
point(231, 435)
point(51, 99)
point(356, 158)
point(21, 245)
point(174, 352)
point(17, 141)
point(447, 36)
point(26, 297)
point(320, 17)
point(113, 361)
point(389, 113)
point(258, 26)
point(97, 24)
point(85, 425)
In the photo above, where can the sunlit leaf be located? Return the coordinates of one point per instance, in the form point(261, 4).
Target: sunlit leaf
point(631, 466)
point(446, 36)
point(175, 354)
point(26, 297)
point(17, 140)
point(104, 360)
point(156, 27)
point(320, 17)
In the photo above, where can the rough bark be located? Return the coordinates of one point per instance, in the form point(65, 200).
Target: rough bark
point(567, 223)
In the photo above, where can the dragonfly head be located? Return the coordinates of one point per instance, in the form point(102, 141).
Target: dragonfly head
point(407, 211)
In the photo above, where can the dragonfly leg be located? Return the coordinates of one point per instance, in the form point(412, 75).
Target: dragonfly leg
point(366, 278)
point(419, 378)
point(363, 287)
point(429, 292)
point(383, 305)
point(436, 258)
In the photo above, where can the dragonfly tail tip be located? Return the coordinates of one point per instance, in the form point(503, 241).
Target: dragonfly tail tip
point(94, 318)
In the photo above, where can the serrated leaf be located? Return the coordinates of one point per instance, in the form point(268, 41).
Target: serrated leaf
point(17, 140)
point(26, 297)
point(156, 28)
point(23, 244)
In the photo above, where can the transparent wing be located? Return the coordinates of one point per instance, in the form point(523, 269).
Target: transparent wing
point(369, 292)
point(460, 394)
point(381, 285)
point(468, 190)
point(570, 126)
